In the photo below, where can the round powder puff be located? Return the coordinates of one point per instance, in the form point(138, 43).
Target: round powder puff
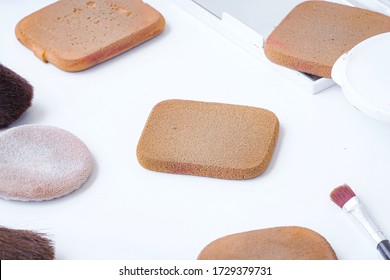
point(41, 163)
point(278, 243)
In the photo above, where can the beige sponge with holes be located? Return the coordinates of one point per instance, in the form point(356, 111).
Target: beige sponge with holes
point(78, 34)
point(278, 243)
point(208, 139)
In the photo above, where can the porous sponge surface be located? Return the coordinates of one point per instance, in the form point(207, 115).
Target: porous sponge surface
point(316, 33)
point(208, 139)
point(277, 243)
point(78, 34)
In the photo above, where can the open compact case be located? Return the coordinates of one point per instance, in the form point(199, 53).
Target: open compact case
point(360, 72)
point(249, 22)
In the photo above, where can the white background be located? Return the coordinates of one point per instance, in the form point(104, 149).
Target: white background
point(127, 212)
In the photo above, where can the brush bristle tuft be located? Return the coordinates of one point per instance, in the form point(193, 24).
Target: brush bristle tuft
point(341, 195)
point(24, 245)
point(15, 96)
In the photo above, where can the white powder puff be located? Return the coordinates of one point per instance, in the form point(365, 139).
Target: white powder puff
point(40, 162)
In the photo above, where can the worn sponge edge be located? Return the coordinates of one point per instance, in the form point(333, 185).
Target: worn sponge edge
point(278, 243)
point(316, 33)
point(109, 28)
point(208, 139)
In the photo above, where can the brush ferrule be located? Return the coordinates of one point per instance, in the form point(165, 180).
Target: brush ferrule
point(355, 208)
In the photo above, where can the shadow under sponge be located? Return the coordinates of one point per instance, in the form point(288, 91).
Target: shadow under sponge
point(208, 139)
point(40, 162)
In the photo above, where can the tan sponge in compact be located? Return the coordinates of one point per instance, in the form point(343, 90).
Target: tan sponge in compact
point(208, 139)
point(316, 33)
point(278, 243)
point(78, 34)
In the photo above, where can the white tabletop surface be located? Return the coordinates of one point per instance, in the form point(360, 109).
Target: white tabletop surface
point(127, 212)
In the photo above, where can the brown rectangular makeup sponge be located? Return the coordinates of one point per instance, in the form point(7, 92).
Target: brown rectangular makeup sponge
point(316, 33)
point(277, 243)
point(78, 34)
point(208, 139)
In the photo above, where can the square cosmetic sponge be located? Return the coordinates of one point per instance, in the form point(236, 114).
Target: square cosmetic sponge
point(316, 33)
point(208, 139)
point(78, 34)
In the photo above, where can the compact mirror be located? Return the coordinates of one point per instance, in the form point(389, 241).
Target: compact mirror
point(260, 15)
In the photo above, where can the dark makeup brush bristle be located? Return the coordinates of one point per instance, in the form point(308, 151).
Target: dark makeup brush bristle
point(24, 245)
point(15, 96)
point(341, 195)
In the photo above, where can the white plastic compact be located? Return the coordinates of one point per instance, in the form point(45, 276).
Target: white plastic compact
point(363, 74)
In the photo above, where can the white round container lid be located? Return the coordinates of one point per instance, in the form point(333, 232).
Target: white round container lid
point(364, 75)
